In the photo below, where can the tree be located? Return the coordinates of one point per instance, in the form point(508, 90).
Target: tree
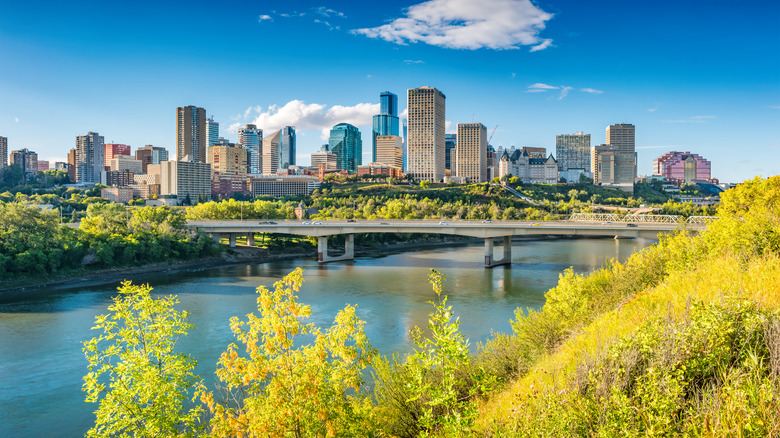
point(141, 385)
point(283, 388)
point(425, 184)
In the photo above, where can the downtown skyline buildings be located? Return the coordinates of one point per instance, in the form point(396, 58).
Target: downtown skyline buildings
point(527, 88)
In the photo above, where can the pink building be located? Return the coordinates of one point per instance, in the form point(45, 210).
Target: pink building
point(43, 166)
point(114, 149)
point(682, 167)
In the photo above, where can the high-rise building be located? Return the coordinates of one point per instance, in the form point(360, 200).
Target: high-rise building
point(622, 137)
point(406, 145)
point(251, 137)
point(3, 152)
point(574, 154)
point(191, 138)
point(185, 179)
point(228, 169)
point(272, 145)
point(114, 149)
point(614, 163)
point(287, 153)
point(72, 165)
point(450, 141)
point(151, 155)
point(682, 167)
point(212, 131)
point(472, 152)
point(125, 162)
point(26, 159)
point(389, 151)
point(324, 157)
point(346, 143)
point(426, 133)
point(386, 122)
point(613, 167)
point(89, 158)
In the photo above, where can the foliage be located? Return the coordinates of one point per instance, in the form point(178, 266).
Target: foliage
point(32, 242)
point(432, 391)
point(139, 382)
point(598, 360)
point(282, 387)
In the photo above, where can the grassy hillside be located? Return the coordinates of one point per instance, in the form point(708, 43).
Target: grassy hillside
point(681, 340)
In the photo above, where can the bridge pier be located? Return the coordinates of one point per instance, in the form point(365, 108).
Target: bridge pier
point(232, 240)
point(322, 249)
point(507, 260)
point(250, 239)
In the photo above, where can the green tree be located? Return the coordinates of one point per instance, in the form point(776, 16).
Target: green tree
point(141, 385)
point(283, 388)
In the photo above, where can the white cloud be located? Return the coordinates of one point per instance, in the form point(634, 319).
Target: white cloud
point(591, 91)
point(404, 114)
point(545, 44)
point(774, 106)
point(16, 119)
point(652, 110)
point(466, 24)
point(325, 12)
point(539, 87)
point(514, 75)
point(262, 18)
point(413, 61)
point(564, 92)
point(309, 116)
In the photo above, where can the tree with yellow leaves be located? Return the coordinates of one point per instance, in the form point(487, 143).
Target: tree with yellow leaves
point(281, 387)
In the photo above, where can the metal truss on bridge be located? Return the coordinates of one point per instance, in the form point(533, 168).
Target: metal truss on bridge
point(651, 218)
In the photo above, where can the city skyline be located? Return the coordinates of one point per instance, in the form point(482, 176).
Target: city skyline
point(560, 67)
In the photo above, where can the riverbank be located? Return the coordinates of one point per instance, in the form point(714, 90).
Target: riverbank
point(229, 257)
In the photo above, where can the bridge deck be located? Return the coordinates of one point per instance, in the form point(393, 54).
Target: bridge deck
point(459, 228)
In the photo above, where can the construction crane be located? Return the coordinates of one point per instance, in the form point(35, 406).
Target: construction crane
point(491, 134)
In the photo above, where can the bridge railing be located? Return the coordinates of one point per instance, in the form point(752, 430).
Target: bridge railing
point(647, 218)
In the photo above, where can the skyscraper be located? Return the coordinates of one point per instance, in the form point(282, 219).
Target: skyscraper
point(389, 151)
point(26, 159)
point(3, 152)
point(114, 149)
point(89, 157)
point(471, 151)
point(191, 138)
point(345, 142)
point(212, 131)
point(621, 136)
point(574, 154)
point(151, 155)
point(250, 137)
point(287, 155)
point(450, 141)
point(386, 122)
point(426, 133)
point(271, 151)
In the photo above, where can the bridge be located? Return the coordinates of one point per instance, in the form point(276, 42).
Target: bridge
point(487, 230)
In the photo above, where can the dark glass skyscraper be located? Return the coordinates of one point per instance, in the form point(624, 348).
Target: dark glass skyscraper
point(287, 157)
point(345, 142)
point(386, 122)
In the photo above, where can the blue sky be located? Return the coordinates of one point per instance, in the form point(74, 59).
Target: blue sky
point(699, 76)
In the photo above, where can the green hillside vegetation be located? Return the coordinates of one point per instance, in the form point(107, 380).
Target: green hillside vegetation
point(683, 339)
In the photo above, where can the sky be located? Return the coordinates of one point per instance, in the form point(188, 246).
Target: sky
point(691, 75)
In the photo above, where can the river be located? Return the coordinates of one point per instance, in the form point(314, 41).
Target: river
point(41, 361)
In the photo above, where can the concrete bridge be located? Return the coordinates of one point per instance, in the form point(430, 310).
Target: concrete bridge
point(488, 230)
